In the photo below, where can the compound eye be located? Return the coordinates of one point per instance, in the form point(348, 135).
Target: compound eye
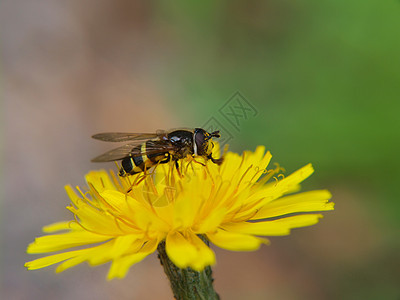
point(200, 141)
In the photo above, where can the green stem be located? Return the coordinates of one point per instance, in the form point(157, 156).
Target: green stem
point(188, 284)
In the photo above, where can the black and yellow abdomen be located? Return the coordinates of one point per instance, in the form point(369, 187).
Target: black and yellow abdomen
point(136, 164)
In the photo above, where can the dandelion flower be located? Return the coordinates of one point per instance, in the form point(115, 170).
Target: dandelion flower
point(234, 206)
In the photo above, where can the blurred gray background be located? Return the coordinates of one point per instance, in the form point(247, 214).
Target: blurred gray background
point(322, 79)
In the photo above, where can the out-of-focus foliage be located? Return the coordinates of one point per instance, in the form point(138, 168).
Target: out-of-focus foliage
point(324, 77)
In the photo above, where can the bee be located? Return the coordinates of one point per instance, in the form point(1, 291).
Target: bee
point(146, 150)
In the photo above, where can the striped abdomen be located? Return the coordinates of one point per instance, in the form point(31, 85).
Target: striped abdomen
point(137, 164)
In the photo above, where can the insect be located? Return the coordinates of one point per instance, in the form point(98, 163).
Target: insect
point(146, 150)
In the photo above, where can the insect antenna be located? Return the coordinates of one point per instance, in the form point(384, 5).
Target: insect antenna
point(215, 134)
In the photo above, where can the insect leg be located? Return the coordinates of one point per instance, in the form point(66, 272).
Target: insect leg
point(197, 162)
point(217, 161)
point(167, 159)
point(177, 168)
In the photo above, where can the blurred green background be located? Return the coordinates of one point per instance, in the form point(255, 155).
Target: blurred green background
point(323, 77)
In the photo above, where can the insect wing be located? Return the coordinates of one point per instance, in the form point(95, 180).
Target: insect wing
point(133, 150)
point(116, 154)
point(122, 136)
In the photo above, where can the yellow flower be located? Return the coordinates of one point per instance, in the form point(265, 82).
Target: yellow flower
point(123, 220)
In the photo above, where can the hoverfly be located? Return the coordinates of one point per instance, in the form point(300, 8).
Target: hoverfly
point(149, 149)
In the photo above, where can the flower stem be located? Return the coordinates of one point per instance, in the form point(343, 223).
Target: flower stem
point(188, 284)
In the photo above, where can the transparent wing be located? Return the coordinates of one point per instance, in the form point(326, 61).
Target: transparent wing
point(123, 136)
point(116, 154)
point(133, 150)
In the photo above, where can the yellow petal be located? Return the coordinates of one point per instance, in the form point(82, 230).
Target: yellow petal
point(129, 220)
point(68, 225)
point(210, 222)
point(235, 241)
point(125, 243)
point(185, 209)
point(72, 262)
point(313, 201)
point(100, 180)
point(275, 227)
point(97, 251)
point(117, 201)
point(120, 266)
point(179, 250)
point(72, 195)
point(188, 251)
point(56, 242)
point(272, 191)
point(205, 256)
point(96, 220)
point(290, 183)
point(52, 259)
